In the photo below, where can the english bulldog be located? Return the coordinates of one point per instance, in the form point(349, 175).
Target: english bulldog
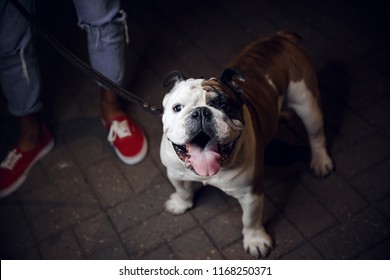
point(215, 130)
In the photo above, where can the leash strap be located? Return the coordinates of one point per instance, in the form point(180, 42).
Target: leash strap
point(83, 66)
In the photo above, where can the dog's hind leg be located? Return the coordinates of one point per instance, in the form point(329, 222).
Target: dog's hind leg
point(305, 101)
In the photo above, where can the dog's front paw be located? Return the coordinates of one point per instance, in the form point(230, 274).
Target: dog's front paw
point(321, 164)
point(176, 205)
point(257, 242)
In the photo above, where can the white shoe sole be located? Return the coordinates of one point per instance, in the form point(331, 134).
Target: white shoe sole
point(135, 159)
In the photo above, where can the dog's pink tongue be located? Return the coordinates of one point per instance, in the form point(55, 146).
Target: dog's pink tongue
point(206, 161)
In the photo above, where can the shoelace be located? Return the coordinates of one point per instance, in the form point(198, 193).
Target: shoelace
point(10, 161)
point(120, 129)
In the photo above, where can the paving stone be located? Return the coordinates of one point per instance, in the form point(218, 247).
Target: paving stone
point(363, 47)
point(154, 152)
point(16, 239)
point(225, 228)
point(63, 107)
point(353, 128)
point(305, 252)
point(356, 158)
point(280, 193)
point(36, 179)
point(198, 31)
point(384, 206)
point(161, 58)
point(88, 98)
point(155, 231)
point(338, 197)
point(114, 251)
point(249, 18)
point(336, 29)
point(161, 253)
point(353, 15)
point(87, 151)
point(209, 202)
point(321, 48)
point(108, 182)
point(379, 252)
point(385, 131)
point(271, 212)
point(134, 211)
point(60, 164)
point(345, 122)
point(142, 175)
point(76, 130)
point(277, 16)
point(378, 113)
point(194, 245)
point(297, 202)
point(236, 251)
point(286, 155)
point(358, 234)
point(379, 59)
point(377, 88)
point(96, 234)
point(333, 79)
point(361, 70)
point(25, 253)
point(63, 246)
point(55, 194)
point(284, 235)
point(277, 174)
point(61, 214)
point(188, 56)
point(373, 182)
point(219, 22)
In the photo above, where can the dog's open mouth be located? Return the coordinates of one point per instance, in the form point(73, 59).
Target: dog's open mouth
point(203, 154)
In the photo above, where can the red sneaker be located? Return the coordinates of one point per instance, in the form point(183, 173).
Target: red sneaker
point(127, 139)
point(15, 167)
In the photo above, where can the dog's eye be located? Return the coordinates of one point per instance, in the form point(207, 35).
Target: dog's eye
point(177, 108)
point(224, 106)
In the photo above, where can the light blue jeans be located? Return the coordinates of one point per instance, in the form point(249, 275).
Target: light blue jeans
point(20, 78)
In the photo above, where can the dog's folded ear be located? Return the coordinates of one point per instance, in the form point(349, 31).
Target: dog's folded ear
point(229, 78)
point(229, 75)
point(172, 78)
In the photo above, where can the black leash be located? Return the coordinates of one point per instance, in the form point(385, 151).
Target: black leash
point(83, 66)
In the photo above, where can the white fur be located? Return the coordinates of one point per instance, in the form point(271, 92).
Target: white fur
point(256, 240)
point(190, 95)
point(302, 100)
point(177, 205)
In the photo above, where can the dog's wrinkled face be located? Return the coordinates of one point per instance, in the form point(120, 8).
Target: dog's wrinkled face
point(203, 120)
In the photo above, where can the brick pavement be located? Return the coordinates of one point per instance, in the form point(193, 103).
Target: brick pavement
point(80, 202)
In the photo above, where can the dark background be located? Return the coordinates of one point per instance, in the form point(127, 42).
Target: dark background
point(80, 202)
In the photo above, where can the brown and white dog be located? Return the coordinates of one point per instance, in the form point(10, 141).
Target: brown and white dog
point(215, 130)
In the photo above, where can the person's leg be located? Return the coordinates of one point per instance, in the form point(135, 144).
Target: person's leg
point(19, 72)
point(21, 85)
point(105, 24)
point(110, 106)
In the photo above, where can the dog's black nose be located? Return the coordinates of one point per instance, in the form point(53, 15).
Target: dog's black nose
point(201, 119)
point(201, 112)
